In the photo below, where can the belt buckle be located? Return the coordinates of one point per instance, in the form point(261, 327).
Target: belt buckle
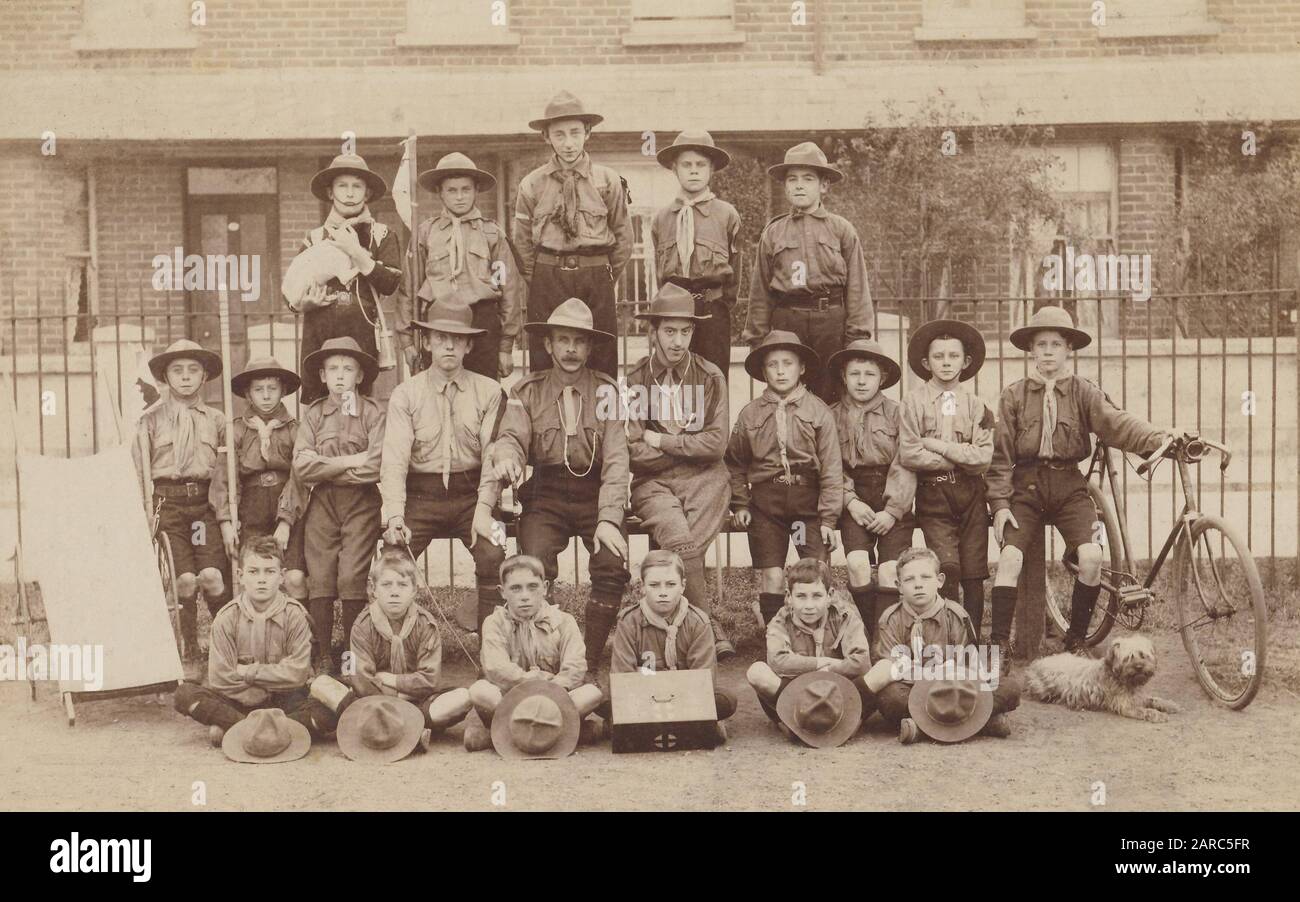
point(342, 298)
point(569, 261)
point(267, 478)
point(191, 489)
point(783, 479)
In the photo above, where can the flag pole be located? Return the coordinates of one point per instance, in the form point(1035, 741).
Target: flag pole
point(413, 243)
point(228, 407)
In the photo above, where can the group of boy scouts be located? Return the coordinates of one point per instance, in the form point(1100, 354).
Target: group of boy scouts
point(820, 450)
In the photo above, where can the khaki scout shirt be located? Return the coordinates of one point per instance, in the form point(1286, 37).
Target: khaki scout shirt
point(923, 413)
point(328, 431)
point(532, 433)
point(704, 400)
point(603, 221)
point(869, 438)
point(792, 647)
point(636, 640)
point(156, 434)
point(249, 459)
point(715, 259)
point(488, 269)
point(372, 652)
point(754, 455)
point(1082, 410)
point(414, 433)
point(950, 625)
point(823, 250)
point(561, 651)
point(236, 674)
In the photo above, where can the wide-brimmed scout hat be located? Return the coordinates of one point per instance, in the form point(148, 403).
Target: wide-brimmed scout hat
point(866, 348)
point(451, 315)
point(455, 165)
point(699, 141)
point(379, 729)
point(346, 345)
point(673, 302)
point(264, 368)
point(536, 719)
point(918, 346)
point(949, 710)
point(564, 106)
point(572, 314)
point(348, 164)
point(779, 340)
point(805, 156)
point(1057, 319)
point(188, 350)
point(266, 736)
point(823, 709)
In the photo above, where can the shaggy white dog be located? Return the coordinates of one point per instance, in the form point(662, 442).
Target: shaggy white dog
point(1110, 684)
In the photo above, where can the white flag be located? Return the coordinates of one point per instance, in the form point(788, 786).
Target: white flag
point(402, 185)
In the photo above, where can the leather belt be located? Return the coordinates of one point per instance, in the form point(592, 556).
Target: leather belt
point(425, 483)
point(830, 297)
point(265, 478)
point(1064, 465)
point(176, 488)
point(340, 298)
point(951, 476)
point(881, 470)
point(574, 260)
point(794, 479)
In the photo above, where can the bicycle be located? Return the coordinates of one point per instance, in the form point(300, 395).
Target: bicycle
point(167, 572)
point(1220, 599)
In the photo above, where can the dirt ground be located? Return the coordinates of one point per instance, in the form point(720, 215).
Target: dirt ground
point(138, 754)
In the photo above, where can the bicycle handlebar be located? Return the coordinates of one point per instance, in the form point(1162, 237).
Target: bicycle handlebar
point(1190, 446)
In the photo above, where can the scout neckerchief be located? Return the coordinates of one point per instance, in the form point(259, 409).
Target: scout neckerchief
point(1045, 450)
point(858, 414)
point(675, 419)
point(185, 430)
point(570, 404)
point(782, 421)
point(446, 395)
point(669, 627)
point(266, 428)
point(917, 636)
point(396, 650)
point(527, 637)
point(566, 212)
point(260, 620)
point(456, 239)
point(817, 630)
point(686, 228)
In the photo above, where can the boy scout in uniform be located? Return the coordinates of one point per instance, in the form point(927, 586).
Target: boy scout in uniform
point(337, 458)
point(676, 442)
point(945, 436)
point(580, 465)
point(784, 458)
point(878, 489)
point(439, 425)
point(1045, 427)
point(572, 229)
point(468, 257)
point(810, 277)
point(176, 455)
point(697, 243)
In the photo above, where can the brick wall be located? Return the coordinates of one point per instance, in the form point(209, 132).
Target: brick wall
point(276, 33)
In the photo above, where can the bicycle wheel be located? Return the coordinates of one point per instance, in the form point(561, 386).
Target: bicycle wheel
point(1221, 611)
point(1115, 571)
point(167, 571)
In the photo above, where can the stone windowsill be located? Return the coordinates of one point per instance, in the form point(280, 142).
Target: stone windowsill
point(1159, 28)
point(635, 38)
point(494, 37)
point(975, 33)
point(88, 42)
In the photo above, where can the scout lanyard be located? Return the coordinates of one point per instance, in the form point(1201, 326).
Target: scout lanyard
point(576, 425)
point(676, 403)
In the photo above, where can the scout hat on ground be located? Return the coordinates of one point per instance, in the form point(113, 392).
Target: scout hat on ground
point(949, 710)
point(779, 340)
point(672, 302)
point(379, 729)
point(184, 349)
point(264, 368)
point(564, 106)
point(1054, 318)
point(918, 346)
point(452, 316)
point(823, 709)
point(347, 346)
point(454, 165)
point(698, 141)
point(266, 736)
point(348, 164)
point(572, 314)
point(865, 348)
point(536, 719)
point(806, 156)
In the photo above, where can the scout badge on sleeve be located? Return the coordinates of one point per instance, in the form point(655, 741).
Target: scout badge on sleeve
point(536, 719)
point(823, 709)
point(380, 730)
point(266, 736)
point(950, 710)
point(664, 711)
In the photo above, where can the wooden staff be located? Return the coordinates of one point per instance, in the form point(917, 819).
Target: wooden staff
point(228, 406)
